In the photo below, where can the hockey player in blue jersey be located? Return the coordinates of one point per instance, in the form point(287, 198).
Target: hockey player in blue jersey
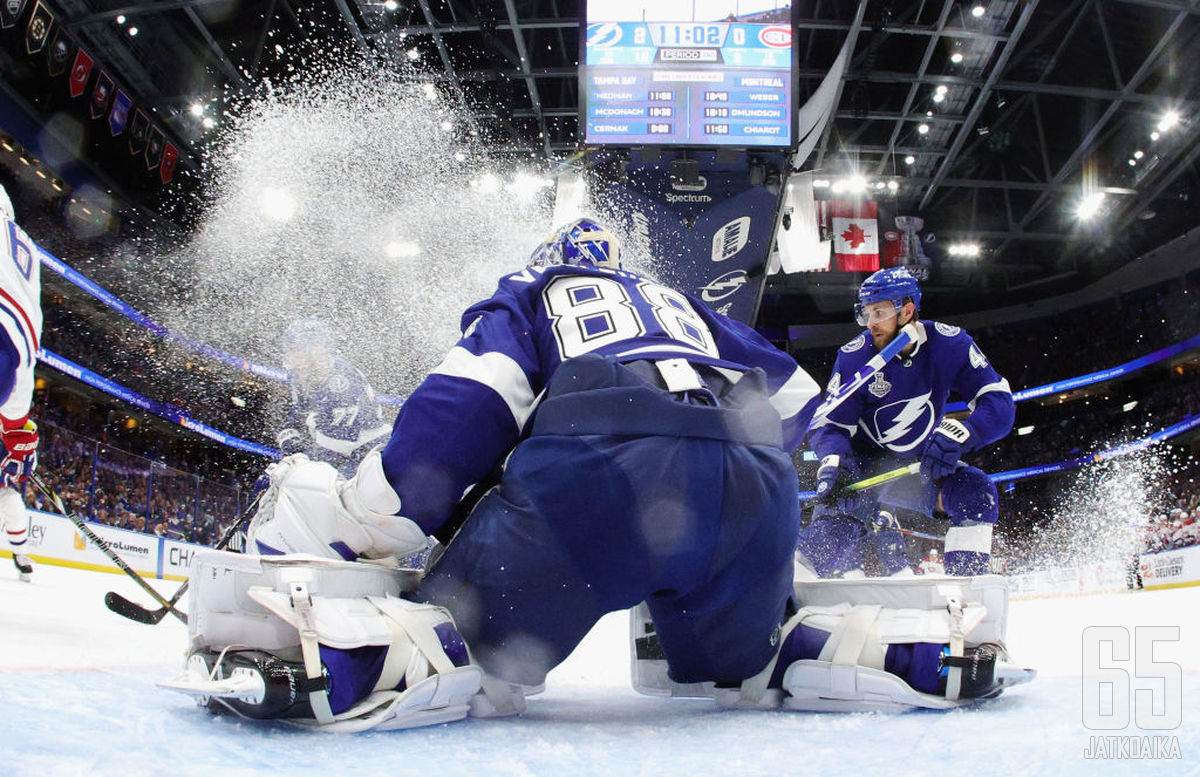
point(644, 442)
point(334, 415)
point(898, 418)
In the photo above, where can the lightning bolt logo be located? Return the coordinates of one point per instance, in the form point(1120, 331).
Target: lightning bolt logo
point(904, 416)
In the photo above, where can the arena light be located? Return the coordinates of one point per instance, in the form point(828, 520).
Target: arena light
point(854, 184)
point(923, 129)
point(1024, 430)
point(957, 57)
point(1089, 206)
point(276, 204)
point(402, 249)
point(910, 160)
point(970, 250)
point(978, 11)
point(1125, 408)
point(820, 183)
point(196, 109)
point(1168, 122)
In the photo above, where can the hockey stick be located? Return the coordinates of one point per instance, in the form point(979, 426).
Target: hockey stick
point(906, 337)
point(136, 612)
point(873, 481)
point(922, 535)
point(102, 545)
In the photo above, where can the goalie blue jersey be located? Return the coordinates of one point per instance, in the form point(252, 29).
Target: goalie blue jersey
point(469, 412)
point(896, 411)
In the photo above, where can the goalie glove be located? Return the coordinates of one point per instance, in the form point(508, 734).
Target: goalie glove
point(20, 449)
point(948, 443)
point(309, 508)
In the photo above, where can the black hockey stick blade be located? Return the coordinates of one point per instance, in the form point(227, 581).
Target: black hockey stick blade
point(135, 612)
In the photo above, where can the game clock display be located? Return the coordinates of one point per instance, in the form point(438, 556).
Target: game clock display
point(725, 80)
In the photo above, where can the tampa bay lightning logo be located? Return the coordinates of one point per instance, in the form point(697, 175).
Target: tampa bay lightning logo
point(854, 344)
point(949, 330)
point(901, 426)
point(603, 34)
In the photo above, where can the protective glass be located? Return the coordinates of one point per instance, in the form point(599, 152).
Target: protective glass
point(876, 312)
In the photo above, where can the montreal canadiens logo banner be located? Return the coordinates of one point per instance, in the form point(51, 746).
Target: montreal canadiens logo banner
point(710, 238)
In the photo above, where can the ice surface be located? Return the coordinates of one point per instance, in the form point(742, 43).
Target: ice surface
point(77, 695)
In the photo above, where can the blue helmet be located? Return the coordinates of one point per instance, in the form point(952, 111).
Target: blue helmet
point(306, 334)
point(581, 243)
point(894, 284)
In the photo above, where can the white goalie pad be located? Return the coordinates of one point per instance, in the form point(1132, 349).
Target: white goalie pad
point(223, 612)
point(861, 616)
point(291, 607)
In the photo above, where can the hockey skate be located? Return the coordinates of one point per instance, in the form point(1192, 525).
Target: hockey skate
point(24, 567)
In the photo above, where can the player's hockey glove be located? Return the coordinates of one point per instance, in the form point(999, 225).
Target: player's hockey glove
point(948, 443)
point(20, 453)
point(832, 480)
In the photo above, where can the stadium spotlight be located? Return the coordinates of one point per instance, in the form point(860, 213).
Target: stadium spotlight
point(276, 204)
point(1169, 120)
point(1125, 408)
point(923, 129)
point(978, 11)
point(1089, 206)
point(957, 57)
point(196, 109)
point(820, 183)
point(970, 250)
point(854, 184)
point(1024, 430)
point(390, 5)
point(1155, 135)
point(910, 160)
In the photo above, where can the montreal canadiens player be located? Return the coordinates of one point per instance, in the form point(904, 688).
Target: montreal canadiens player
point(334, 415)
point(644, 441)
point(897, 418)
point(21, 323)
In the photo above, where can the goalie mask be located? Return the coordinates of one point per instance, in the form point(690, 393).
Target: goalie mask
point(581, 243)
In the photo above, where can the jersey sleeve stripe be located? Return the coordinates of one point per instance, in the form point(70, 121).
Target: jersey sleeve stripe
point(498, 372)
point(826, 422)
point(794, 395)
point(1000, 385)
point(30, 331)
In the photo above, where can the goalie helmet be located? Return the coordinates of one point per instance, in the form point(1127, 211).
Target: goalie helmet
point(893, 284)
point(581, 243)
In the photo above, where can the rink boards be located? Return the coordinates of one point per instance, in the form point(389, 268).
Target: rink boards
point(53, 539)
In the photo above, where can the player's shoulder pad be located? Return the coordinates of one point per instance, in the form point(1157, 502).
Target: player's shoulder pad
point(855, 345)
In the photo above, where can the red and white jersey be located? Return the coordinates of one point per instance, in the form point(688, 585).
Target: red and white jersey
point(932, 567)
point(20, 314)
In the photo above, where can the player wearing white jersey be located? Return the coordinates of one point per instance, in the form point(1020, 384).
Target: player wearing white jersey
point(21, 324)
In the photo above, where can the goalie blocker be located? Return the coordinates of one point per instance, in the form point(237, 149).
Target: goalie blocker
point(858, 645)
point(321, 643)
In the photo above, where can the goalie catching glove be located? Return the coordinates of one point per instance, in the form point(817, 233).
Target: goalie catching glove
point(309, 508)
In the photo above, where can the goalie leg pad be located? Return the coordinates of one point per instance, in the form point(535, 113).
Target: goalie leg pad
point(324, 643)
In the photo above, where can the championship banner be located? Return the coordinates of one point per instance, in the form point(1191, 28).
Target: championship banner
point(855, 230)
point(101, 95)
point(167, 169)
point(79, 73)
point(38, 29)
point(138, 131)
point(710, 236)
point(59, 53)
point(118, 117)
point(154, 148)
point(10, 12)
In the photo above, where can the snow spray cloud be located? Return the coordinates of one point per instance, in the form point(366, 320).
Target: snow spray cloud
point(360, 197)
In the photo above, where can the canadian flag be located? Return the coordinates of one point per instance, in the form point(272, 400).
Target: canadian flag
point(855, 229)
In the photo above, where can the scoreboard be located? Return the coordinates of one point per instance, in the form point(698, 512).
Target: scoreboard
point(687, 83)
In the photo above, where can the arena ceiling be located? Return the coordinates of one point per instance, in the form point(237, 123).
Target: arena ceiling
point(1044, 101)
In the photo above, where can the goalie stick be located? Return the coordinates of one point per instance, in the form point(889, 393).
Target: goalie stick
point(136, 612)
point(99, 542)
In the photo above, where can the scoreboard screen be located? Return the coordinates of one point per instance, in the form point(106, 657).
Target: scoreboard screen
point(650, 78)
